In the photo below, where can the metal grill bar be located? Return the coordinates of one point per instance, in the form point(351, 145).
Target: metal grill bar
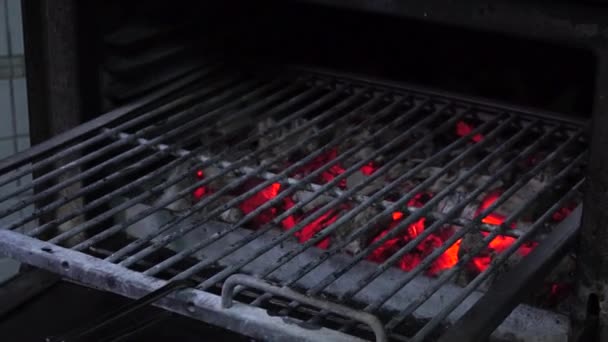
point(144, 178)
point(296, 184)
point(416, 215)
point(446, 276)
point(94, 186)
point(318, 190)
point(421, 335)
point(146, 145)
point(233, 185)
point(495, 233)
point(117, 159)
point(90, 142)
point(386, 189)
point(415, 139)
point(410, 245)
point(436, 253)
point(345, 196)
point(14, 162)
point(165, 185)
point(521, 182)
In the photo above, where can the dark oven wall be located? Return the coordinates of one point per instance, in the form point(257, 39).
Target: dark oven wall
point(146, 45)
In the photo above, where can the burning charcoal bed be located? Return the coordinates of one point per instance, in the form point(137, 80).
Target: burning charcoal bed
point(391, 209)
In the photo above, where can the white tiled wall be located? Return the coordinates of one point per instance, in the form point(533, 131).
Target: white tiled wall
point(14, 128)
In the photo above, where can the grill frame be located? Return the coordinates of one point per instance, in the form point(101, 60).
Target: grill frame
point(19, 160)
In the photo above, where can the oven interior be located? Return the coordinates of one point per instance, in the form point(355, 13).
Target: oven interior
point(490, 65)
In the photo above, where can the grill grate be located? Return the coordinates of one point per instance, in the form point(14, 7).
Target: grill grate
point(252, 132)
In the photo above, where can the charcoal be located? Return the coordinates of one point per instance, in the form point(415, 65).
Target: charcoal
point(319, 201)
point(451, 200)
point(360, 220)
point(183, 202)
point(358, 177)
point(232, 215)
point(269, 135)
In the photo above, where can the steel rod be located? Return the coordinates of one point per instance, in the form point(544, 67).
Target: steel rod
point(106, 233)
point(500, 259)
point(30, 154)
point(226, 189)
point(100, 137)
point(240, 279)
point(122, 312)
point(207, 180)
point(395, 206)
point(149, 176)
point(334, 250)
point(276, 178)
point(147, 194)
point(116, 159)
point(451, 272)
point(320, 211)
point(459, 234)
point(296, 185)
point(379, 171)
point(505, 294)
point(108, 163)
point(522, 181)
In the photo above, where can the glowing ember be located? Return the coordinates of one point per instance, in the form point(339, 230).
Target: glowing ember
point(463, 128)
point(290, 221)
point(498, 245)
point(269, 214)
point(387, 249)
point(419, 199)
point(501, 242)
point(257, 200)
point(316, 226)
point(369, 168)
point(410, 260)
point(390, 246)
point(447, 259)
point(492, 218)
point(329, 174)
point(201, 190)
point(563, 212)
point(558, 292)
point(416, 228)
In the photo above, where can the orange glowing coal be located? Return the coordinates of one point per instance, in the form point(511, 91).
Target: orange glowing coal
point(563, 212)
point(447, 259)
point(498, 245)
point(258, 199)
point(501, 242)
point(369, 168)
point(412, 259)
point(327, 175)
point(463, 128)
point(201, 191)
point(290, 221)
point(316, 226)
point(492, 218)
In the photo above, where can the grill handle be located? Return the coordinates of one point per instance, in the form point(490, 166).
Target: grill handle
point(248, 281)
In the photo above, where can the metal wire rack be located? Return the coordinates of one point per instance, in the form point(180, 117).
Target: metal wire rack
point(177, 161)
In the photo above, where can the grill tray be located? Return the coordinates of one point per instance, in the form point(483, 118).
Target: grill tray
point(99, 209)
